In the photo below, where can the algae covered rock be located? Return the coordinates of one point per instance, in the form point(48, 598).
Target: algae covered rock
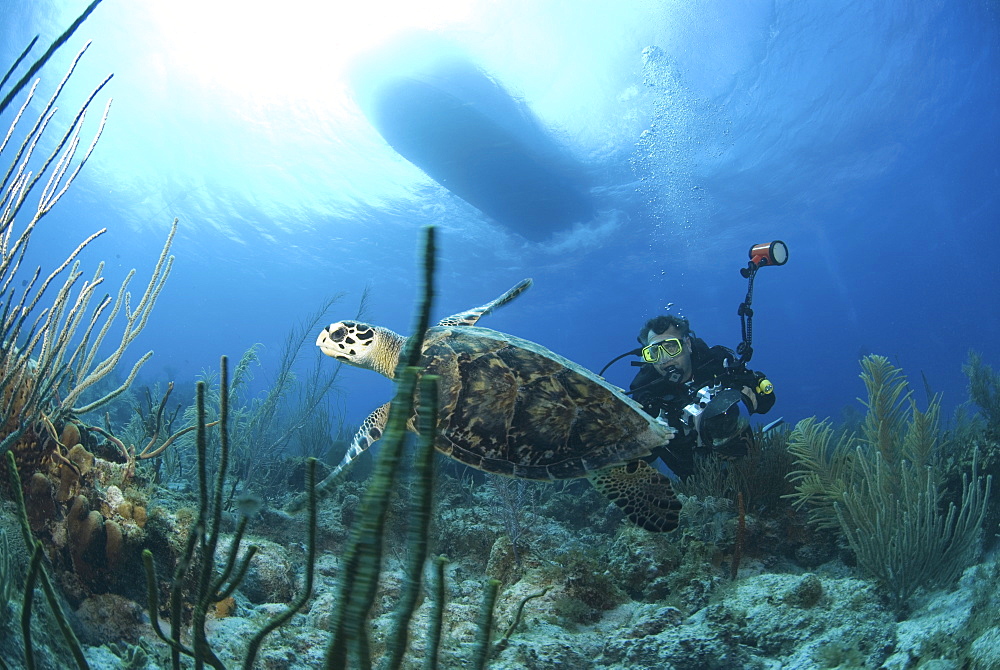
point(952, 627)
point(111, 618)
point(985, 651)
point(547, 646)
point(798, 621)
point(708, 640)
point(806, 593)
point(813, 621)
point(644, 565)
point(271, 577)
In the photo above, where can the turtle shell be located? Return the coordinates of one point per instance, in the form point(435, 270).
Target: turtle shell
point(509, 406)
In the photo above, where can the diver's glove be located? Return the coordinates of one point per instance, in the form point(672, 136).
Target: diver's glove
point(763, 385)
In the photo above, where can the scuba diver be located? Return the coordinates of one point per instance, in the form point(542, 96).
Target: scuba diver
point(697, 389)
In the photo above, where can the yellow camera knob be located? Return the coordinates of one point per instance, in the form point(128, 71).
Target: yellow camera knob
point(765, 386)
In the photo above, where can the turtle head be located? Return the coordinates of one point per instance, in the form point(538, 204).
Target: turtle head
point(363, 345)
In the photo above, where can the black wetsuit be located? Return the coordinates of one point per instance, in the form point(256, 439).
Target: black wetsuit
point(710, 365)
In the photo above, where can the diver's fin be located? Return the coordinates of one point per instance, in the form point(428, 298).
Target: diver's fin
point(470, 317)
point(643, 493)
point(368, 434)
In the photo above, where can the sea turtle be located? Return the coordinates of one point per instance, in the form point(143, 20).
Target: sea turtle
point(512, 407)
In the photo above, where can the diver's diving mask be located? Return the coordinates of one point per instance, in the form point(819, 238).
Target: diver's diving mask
point(668, 348)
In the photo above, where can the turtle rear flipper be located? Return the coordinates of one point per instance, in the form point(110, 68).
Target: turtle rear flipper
point(471, 316)
point(643, 493)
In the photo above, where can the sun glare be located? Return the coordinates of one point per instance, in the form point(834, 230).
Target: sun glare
point(294, 49)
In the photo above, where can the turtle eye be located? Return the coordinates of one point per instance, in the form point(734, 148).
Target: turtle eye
point(338, 333)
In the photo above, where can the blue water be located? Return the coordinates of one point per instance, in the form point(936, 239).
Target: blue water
point(864, 135)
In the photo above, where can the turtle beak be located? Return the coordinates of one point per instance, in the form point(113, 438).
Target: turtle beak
point(331, 342)
point(326, 343)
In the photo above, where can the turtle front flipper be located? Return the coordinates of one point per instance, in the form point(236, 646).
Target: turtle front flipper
point(643, 493)
point(369, 433)
point(470, 317)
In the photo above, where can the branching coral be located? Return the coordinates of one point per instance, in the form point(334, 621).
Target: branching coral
point(514, 502)
point(350, 644)
point(902, 531)
point(153, 448)
point(262, 426)
point(51, 335)
point(212, 585)
point(884, 490)
point(37, 571)
point(6, 579)
point(984, 390)
point(362, 560)
point(61, 338)
point(760, 476)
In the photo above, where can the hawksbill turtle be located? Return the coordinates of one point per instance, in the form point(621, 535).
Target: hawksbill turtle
point(512, 407)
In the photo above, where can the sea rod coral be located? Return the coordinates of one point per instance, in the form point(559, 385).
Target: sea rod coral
point(52, 335)
point(60, 339)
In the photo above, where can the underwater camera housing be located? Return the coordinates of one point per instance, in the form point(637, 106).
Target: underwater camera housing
point(709, 402)
point(714, 413)
point(701, 400)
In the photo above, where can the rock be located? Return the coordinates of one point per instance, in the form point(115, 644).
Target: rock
point(985, 651)
point(806, 593)
point(271, 577)
point(111, 618)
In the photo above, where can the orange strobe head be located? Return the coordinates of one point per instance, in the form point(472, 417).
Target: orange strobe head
point(769, 253)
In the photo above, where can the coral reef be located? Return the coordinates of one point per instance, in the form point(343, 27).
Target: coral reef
point(53, 357)
point(196, 577)
point(984, 391)
point(551, 572)
point(585, 588)
point(55, 365)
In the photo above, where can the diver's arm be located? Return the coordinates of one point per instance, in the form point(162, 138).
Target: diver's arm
point(758, 393)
